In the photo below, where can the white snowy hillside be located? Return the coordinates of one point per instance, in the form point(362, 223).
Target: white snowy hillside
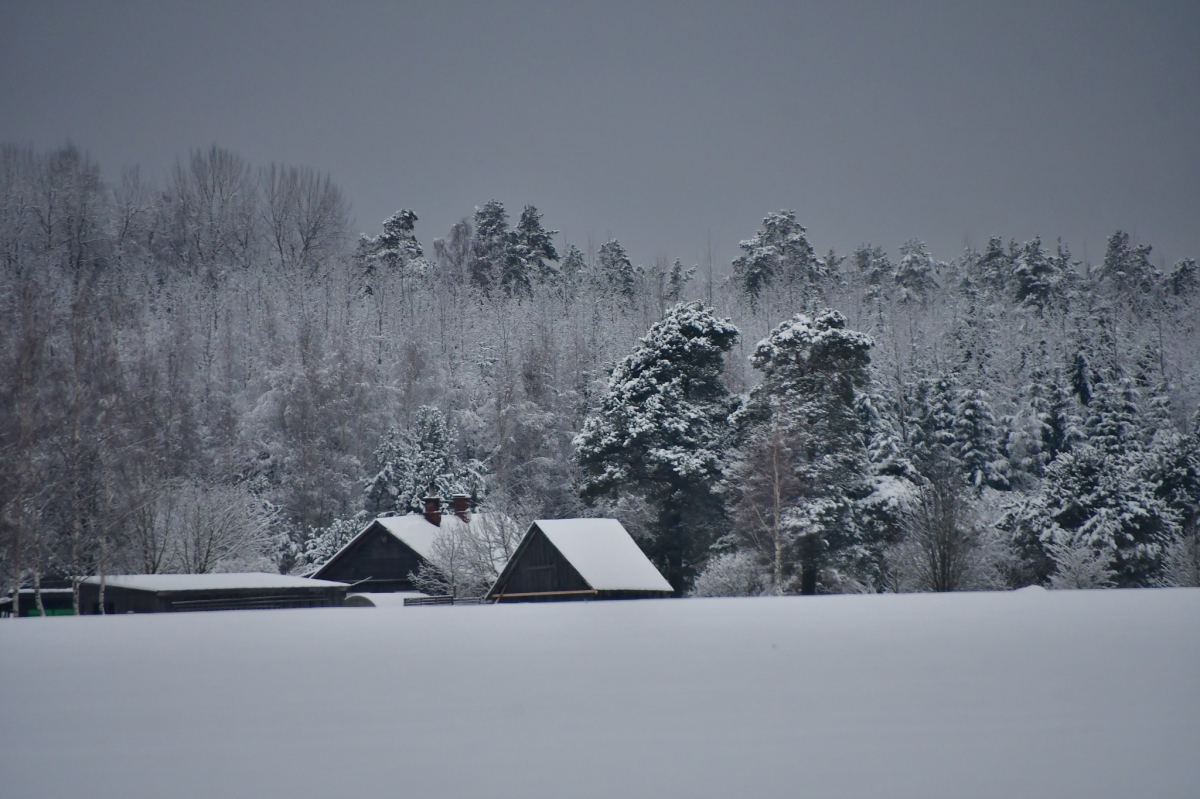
point(1026, 693)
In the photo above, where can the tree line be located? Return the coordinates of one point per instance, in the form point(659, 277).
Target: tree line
point(215, 374)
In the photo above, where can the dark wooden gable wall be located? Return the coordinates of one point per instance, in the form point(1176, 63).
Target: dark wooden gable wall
point(540, 568)
point(378, 555)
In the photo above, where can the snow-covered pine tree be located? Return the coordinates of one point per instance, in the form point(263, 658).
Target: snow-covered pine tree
point(1183, 281)
point(661, 432)
point(778, 256)
point(870, 266)
point(677, 280)
point(534, 249)
point(490, 246)
point(1114, 417)
point(814, 373)
point(996, 266)
point(1038, 276)
point(915, 272)
point(975, 441)
point(573, 264)
point(616, 270)
point(324, 542)
point(934, 408)
point(1105, 500)
point(411, 462)
point(1127, 271)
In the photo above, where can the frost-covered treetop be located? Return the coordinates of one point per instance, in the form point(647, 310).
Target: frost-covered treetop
point(812, 345)
point(661, 420)
point(778, 252)
point(688, 340)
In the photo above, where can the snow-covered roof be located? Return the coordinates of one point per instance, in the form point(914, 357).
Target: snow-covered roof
point(418, 533)
point(414, 530)
point(209, 582)
point(604, 554)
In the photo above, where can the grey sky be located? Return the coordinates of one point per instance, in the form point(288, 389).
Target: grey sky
point(661, 124)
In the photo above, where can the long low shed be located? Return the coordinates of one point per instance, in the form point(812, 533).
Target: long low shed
point(165, 593)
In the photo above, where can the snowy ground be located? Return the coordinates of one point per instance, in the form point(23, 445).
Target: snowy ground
point(1063, 694)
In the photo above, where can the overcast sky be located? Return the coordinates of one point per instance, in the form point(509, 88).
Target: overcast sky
point(667, 125)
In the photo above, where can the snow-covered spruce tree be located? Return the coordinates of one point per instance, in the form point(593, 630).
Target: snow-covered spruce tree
point(805, 411)
point(934, 408)
point(1127, 271)
point(412, 462)
point(534, 249)
point(324, 542)
point(975, 440)
point(661, 431)
point(777, 257)
point(915, 274)
point(1058, 428)
point(1039, 276)
point(1114, 418)
point(1104, 500)
point(490, 246)
point(616, 270)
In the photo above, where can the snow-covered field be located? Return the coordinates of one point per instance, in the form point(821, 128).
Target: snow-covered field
point(1023, 694)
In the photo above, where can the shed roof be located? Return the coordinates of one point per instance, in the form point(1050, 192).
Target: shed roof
point(210, 582)
point(604, 554)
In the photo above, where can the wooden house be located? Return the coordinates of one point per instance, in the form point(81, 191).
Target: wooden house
point(578, 559)
point(384, 556)
point(164, 593)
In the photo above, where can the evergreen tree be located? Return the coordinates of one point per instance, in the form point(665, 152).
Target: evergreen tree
point(677, 280)
point(413, 462)
point(534, 249)
point(1108, 501)
point(1113, 423)
point(1183, 281)
point(1057, 427)
point(616, 270)
point(872, 267)
point(996, 266)
point(814, 373)
point(573, 264)
point(975, 441)
point(915, 272)
point(660, 433)
point(1127, 270)
point(934, 407)
point(490, 247)
point(1038, 276)
point(779, 255)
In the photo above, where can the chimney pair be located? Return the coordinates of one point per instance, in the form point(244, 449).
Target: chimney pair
point(433, 508)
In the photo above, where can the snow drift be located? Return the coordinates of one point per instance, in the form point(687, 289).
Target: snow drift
point(1028, 693)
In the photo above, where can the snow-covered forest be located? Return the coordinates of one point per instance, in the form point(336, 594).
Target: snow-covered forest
point(217, 373)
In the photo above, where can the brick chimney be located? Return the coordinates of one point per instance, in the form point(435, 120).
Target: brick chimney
point(461, 503)
point(433, 510)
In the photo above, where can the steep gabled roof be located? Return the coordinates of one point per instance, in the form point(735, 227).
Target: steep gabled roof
point(417, 533)
point(414, 530)
point(601, 550)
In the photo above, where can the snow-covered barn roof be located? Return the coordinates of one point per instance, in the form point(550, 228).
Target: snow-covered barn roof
point(603, 553)
point(416, 532)
point(412, 529)
point(208, 582)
